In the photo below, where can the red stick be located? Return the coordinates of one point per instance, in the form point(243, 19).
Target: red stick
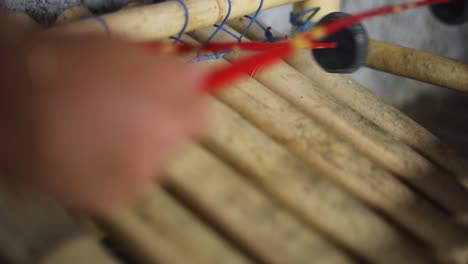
point(258, 46)
point(223, 77)
point(221, 47)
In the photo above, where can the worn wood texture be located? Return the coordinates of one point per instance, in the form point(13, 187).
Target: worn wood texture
point(418, 65)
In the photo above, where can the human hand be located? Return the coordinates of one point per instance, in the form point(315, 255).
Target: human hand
point(94, 118)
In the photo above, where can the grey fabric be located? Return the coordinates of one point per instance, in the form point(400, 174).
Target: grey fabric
point(45, 11)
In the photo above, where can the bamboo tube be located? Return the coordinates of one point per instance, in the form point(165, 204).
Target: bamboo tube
point(373, 108)
point(326, 7)
point(311, 197)
point(85, 249)
point(161, 20)
point(248, 216)
point(418, 65)
point(131, 5)
point(316, 145)
point(143, 243)
point(162, 213)
point(364, 135)
point(73, 14)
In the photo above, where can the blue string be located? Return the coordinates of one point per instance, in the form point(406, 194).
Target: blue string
point(178, 40)
point(302, 25)
point(187, 17)
point(218, 28)
point(215, 56)
point(223, 22)
point(252, 20)
point(101, 21)
point(230, 33)
point(268, 34)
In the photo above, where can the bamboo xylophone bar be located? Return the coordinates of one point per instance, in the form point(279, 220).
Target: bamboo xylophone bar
point(268, 232)
point(418, 65)
point(161, 20)
point(166, 216)
point(83, 249)
point(326, 7)
point(145, 245)
point(312, 197)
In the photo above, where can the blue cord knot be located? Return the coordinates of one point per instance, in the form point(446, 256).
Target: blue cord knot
point(297, 19)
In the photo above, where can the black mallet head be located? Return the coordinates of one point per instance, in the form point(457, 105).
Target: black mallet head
point(351, 50)
point(453, 13)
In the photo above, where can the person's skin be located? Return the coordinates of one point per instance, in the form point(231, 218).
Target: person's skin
point(91, 120)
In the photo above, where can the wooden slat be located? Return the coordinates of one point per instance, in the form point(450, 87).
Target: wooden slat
point(360, 99)
point(267, 231)
point(363, 134)
point(159, 211)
